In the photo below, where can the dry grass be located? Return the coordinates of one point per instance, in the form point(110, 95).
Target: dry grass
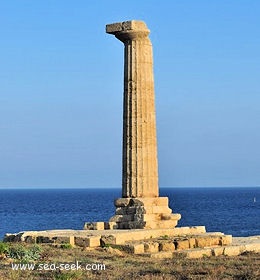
point(243, 267)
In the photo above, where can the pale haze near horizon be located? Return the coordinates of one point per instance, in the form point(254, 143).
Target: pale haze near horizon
point(61, 92)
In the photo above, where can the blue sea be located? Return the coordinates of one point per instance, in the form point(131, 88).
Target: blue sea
point(233, 211)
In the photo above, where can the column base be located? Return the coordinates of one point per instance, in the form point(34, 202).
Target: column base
point(144, 213)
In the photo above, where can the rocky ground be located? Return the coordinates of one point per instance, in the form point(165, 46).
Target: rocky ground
point(118, 264)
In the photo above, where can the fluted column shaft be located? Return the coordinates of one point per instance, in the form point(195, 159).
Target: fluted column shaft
point(140, 167)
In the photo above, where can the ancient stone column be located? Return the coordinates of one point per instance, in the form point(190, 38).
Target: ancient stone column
point(140, 170)
point(140, 206)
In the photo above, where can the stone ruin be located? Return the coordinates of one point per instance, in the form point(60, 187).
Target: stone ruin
point(143, 222)
point(140, 206)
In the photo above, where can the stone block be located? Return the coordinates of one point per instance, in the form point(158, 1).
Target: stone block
point(170, 216)
point(148, 209)
point(131, 210)
point(120, 211)
point(127, 236)
point(121, 202)
point(217, 251)
point(136, 202)
point(144, 212)
point(81, 242)
point(116, 218)
point(91, 241)
point(44, 239)
point(175, 216)
point(136, 25)
point(72, 240)
point(110, 225)
point(144, 201)
point(63, 239)
point(166, 246)
point(192, 242)
point(136, 225)
point(166, 216)
point(205, 241)
point(182, 244)
point(151, 217)
point(21, 236)
point(30, 239)
point(138, 218)
point(88, 226)
point(154, 201)
point(232, 250)
point(198, 253)
point(194, 253)
point(115, 27)
point(189, 230)
point(215, 240)
point(161, 209)
point(123, 225)
point(122, 218)
point(107, 240)
point(151, 247)
point(161, 255)
point(114, 251)
point(160, 224)
point(252, 247)
point(99, 226)
point(225, 240)
point(167, 224)
point(151, 224)
point(136, 248)
point(94, 226)
point(9, 237)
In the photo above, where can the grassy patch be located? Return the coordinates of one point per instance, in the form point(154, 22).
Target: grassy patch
point(23, 253)
point(4, 248)
point(66, 246)
point(243, 267)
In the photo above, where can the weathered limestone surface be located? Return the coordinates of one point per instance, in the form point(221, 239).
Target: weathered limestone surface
point(140, 207)
point(144, 213)
point(190, 242)
point(196, 253)
point(120, 236)
point(140, 170)
point(95, 226)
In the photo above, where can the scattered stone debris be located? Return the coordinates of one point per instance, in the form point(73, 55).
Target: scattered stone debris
point(190, 242)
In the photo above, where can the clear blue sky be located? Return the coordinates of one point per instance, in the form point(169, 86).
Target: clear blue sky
point(61, 92)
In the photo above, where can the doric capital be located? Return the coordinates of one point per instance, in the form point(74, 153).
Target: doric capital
point(128, 30)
